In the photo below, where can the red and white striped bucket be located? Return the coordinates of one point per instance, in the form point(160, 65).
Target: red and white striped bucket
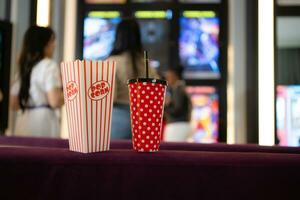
point(88, 90)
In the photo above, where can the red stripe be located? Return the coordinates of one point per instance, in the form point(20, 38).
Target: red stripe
point(105, 132)
point(70, 106)
point(75, 125)
point(110, 102)
point(69, 118)
point(72, 111)
point(75, 105)
point(76, 110)
point(80, 106)
point(71, 143)
point(65, 83)
point(86, 119)
point(101, 146)
point(97, 143)
point(91, 82)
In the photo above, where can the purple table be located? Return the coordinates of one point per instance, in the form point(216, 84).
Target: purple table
point(45, 169)
point(126, 144)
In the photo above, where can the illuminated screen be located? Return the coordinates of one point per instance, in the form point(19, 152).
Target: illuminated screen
point(155, 30)
point(150, 1)
point(99, 34)
point(199, 44)
point(205, 113)
point(105, 1)
point(200, 1)
point(1, 50)
point(288, 115)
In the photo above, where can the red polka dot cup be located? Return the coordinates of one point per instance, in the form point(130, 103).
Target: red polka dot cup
point(146, 110)
point(88, 90)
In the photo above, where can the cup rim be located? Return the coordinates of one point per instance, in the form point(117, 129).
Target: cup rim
point(147, 80)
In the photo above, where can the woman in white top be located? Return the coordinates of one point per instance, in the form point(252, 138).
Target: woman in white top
point(128, 54)
point(38, 90)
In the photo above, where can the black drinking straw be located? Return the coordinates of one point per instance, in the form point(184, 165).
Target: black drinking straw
point(146, 61)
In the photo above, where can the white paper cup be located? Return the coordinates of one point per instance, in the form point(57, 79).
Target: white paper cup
point(88, 90)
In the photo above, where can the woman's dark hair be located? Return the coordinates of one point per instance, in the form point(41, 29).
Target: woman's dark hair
point(128, 38)
point(35, 40)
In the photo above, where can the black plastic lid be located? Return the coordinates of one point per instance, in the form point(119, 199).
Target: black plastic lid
point(147, 80)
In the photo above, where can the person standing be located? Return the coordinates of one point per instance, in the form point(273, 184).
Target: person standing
point(37, 91)
point(177, 109)
point(128, 54)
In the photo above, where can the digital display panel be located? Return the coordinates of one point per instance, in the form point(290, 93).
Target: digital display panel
point(155, 30)
point(149, 1)
point(288, 115)
point(199, 50)
point(205, 113)
point(99, 34)
point(105, 1)
point(1, 50)
point(200, 1)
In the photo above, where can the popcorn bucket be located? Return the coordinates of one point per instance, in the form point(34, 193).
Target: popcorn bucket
point(88, 91)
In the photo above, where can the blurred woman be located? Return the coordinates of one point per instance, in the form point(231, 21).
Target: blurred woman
point(38, 89)
point(128, 53)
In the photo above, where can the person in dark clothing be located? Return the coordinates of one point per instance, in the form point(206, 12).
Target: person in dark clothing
point(1, 96)
point(177, 108)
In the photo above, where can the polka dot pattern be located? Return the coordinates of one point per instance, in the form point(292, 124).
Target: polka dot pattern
point(146, 115)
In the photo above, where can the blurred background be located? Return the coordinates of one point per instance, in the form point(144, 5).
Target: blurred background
point(241, 59)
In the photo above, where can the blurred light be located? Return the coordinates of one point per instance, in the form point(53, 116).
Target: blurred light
point(104, 14)
point(154, 63)
point(105, 1)
point(198, 14)
point(70, 30)
point(69, 44)
point(266, 72)
point(169, 14)
point(150, 14)
point(43, 13)
point(230, 98)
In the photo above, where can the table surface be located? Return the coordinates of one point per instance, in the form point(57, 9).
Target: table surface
point(126, 144)
point(41, 168)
